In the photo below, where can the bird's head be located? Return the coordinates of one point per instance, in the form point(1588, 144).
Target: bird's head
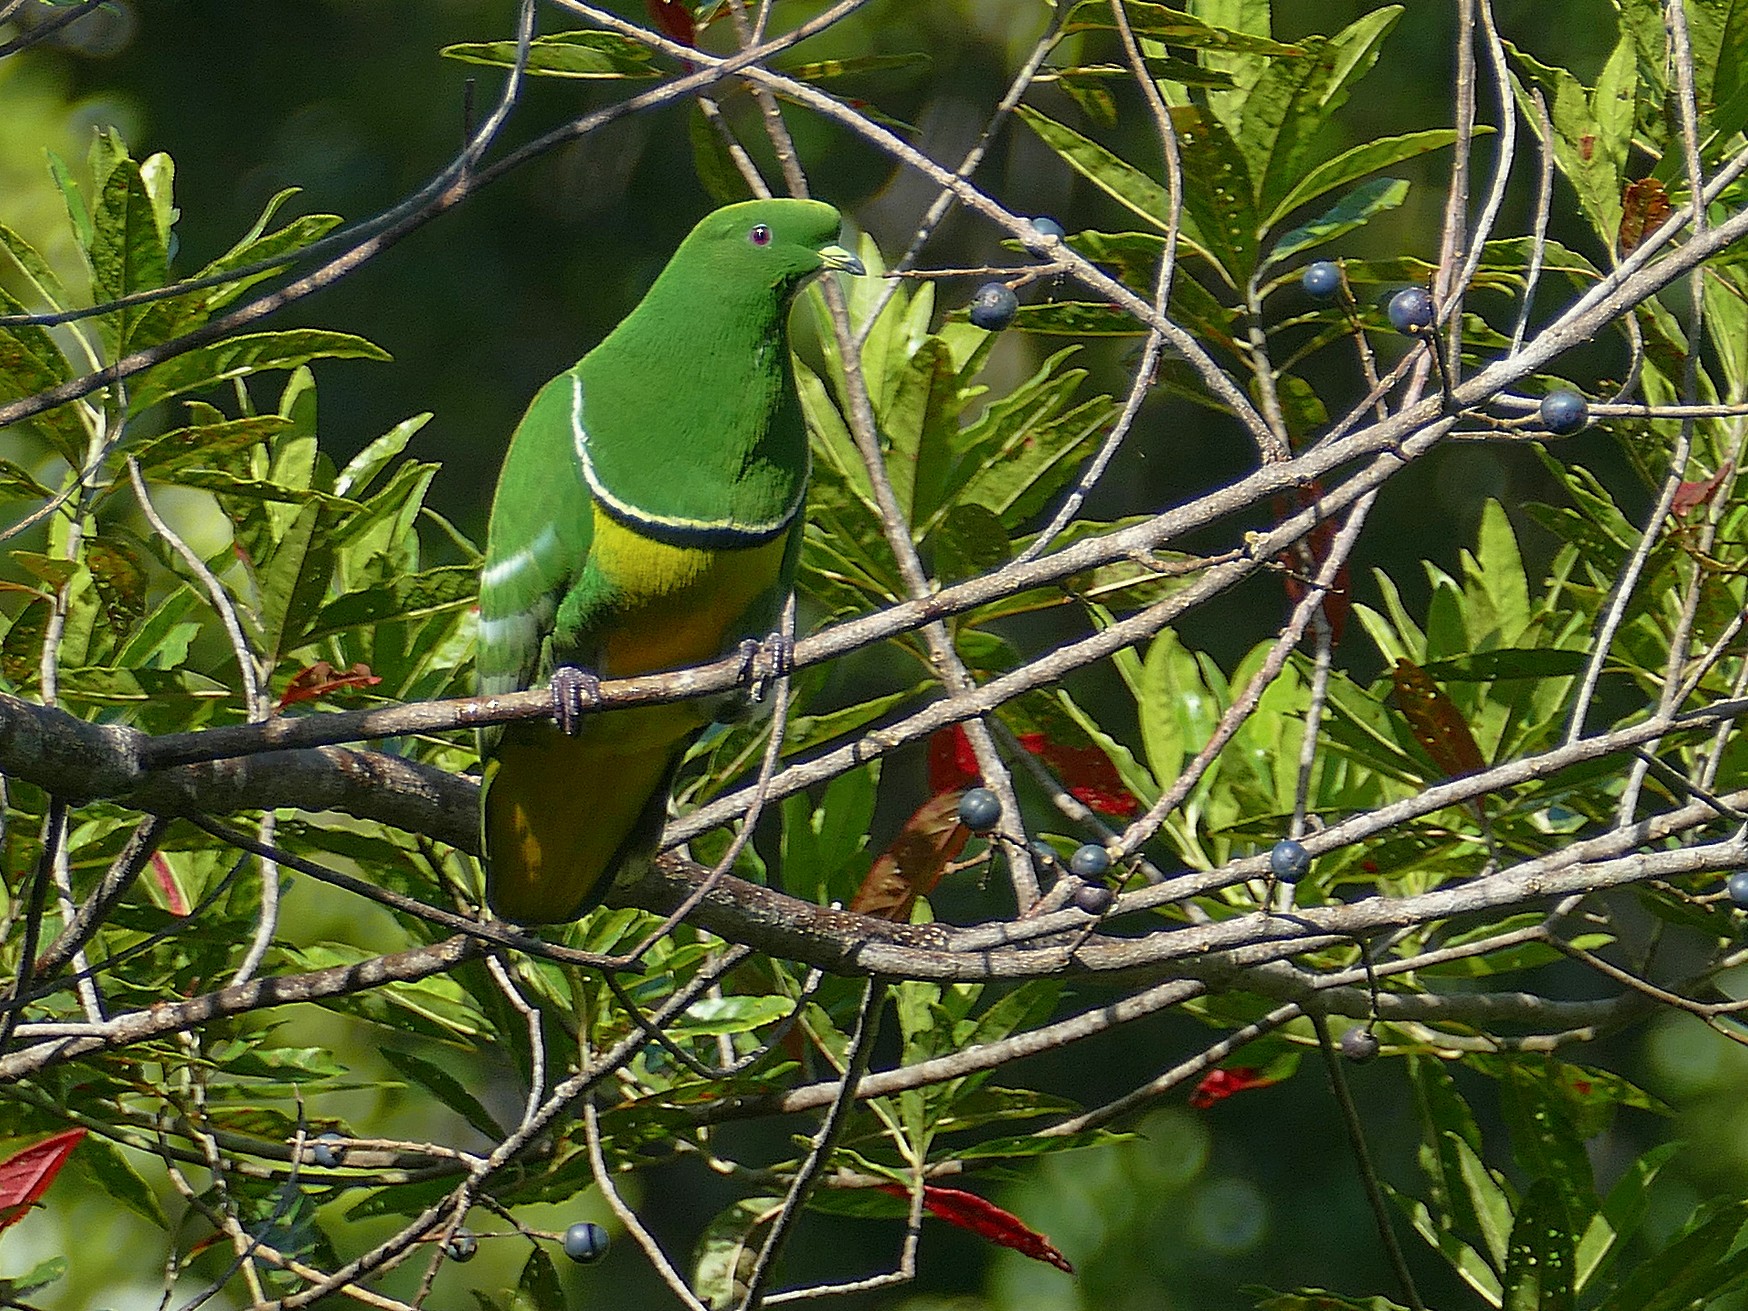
point(775, 244)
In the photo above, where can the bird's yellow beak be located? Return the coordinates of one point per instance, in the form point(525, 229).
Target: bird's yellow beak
point(836, 257)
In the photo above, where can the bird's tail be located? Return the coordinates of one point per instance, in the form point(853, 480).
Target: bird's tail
point(563, 817)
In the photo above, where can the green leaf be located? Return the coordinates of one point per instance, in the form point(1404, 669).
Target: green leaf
point(40, 1275)
point(1293, 100)
point(238, 357)
point(539, 1283)
point(129, 251)
point(1219, 192)
point(110, 685)
point(564, 54)
point(447, 587)
point(31, 362)
point(1074, 318)
point(109, 1168)
point(1356, 163)
point(822, 70)
point(37, 274)
point(1538, 1266)
point(1120, 180)
point(727, 1251)
point(1621, 1215)
point(1592, 129)
point(1354, 210)
point(1171, 26)
point(446, 1088)
point(1508, 663)
point(1175, 706)
point(739, 1013)
point(1691, 1271)
point(77, 214)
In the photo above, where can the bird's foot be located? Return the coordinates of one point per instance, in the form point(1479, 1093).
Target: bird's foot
point(762, 663)
point(575, 692)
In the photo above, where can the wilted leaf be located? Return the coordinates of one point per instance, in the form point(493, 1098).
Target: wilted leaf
point(1437, 724)
point(1691, 495)
point(317, 680)
point(1644, 207)
point(914, 862)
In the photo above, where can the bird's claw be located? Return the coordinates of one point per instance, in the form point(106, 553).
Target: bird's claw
point(762, 663)
point(575, 692)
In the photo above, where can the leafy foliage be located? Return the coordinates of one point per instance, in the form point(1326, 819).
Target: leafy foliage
point(1470, 761)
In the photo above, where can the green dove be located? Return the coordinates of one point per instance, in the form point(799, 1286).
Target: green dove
point(648, 517)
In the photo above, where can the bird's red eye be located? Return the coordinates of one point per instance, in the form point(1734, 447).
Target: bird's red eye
point(760, 235)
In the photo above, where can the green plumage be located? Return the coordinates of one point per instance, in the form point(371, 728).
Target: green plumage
point(648, 517)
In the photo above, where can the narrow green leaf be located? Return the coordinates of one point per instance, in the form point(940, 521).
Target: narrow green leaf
point(447, 587)
point(1359, 207)
point(1173, 27)
point(77, 213)
point(1355, 163)
point(1294, 98)
point(37, 274)
point(1538, 1267)
point(564, 54)
point(238, 357)
point(109, 1168)
point(40, 1275)
point(822, 70)
point(446, 1088)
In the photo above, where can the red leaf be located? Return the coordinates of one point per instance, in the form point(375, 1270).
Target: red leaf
point(1317, 543)
point(911, 866)
point(174, 901)
point(25, 1176)
point(952, 763)
point(1218, 1085)
point(1087, 772)
point(675, 21)
point(1692, 495)
point(1438, 725)
point(987, 1220)
point(322, 678)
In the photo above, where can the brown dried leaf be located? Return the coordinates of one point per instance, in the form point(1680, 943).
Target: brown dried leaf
point(1644, 206)
point(914, 863)
point(1437, 725)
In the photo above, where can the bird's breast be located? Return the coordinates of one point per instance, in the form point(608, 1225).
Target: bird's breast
point(676, 605)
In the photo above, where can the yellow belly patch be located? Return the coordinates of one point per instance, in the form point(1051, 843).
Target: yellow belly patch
point(681, 603)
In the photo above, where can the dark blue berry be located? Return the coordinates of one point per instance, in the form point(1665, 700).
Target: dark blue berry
point(1094, 898)
point(1359, 1045)
point(994, 306)
point(1564, 411)
point(1737, 884)
point(462, 1246)
point(328, 1151)
point(1289, 861)
point(1043, 854)
point(1410, 311)
point(1322, 279)
point(585, 1241)
point(1089, 861)
point(1047, 227)
point(980, 810)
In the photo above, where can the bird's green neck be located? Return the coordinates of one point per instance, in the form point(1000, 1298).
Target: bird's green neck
point(689, 423)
